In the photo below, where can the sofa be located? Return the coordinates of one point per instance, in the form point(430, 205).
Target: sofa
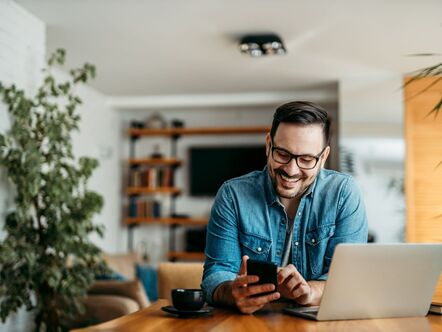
point(110, 299)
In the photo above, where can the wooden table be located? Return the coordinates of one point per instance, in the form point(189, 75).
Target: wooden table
point(267, 319)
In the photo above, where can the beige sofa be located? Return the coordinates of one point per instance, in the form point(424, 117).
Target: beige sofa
point(110, 299)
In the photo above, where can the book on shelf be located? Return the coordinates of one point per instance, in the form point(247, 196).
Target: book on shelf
point(151, 177)
point(167, 177)
point(156, 209)
point(132, 207)
point(140, 207)
point(135, 178)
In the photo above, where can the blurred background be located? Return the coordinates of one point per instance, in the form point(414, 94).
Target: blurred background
point(179, 64)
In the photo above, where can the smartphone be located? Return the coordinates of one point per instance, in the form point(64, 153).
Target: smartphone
point(266, 271)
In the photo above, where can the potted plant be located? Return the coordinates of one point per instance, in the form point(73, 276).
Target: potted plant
point(47, 261)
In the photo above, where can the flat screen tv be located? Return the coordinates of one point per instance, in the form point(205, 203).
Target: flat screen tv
point(211, 166)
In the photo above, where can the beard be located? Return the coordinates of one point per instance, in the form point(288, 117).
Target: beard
point(290, 186)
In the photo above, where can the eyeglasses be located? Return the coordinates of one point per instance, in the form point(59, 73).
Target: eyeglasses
point(282, 156)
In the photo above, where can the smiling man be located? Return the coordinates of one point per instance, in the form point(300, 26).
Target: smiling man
point(292, 213)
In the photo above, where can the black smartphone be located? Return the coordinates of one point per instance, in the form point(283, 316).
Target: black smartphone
point(266, 271)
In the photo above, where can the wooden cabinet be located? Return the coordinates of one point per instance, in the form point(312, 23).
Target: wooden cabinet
point(150, 177)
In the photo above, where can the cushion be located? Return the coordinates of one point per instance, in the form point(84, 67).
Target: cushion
point(148, 277)
point(113, 275)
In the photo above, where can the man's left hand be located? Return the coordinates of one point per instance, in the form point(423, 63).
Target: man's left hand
point(292, 285)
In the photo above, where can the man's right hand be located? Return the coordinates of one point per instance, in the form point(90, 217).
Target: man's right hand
point(243, 294)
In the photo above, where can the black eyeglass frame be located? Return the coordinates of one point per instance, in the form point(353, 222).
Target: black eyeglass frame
point(296, 156)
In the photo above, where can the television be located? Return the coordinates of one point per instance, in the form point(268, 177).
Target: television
point(210, 166)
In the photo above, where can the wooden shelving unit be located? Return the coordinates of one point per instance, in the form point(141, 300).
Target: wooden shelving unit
point(171, 162)
point(157, 190)
point(156, 161)
point(198, 131)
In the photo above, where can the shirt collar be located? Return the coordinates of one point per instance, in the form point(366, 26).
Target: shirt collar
point(271, 195)
point(311, 190)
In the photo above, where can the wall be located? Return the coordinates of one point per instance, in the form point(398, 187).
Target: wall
point(23, 55)
point(371, 129)
point(22, 51)
point(99, 137)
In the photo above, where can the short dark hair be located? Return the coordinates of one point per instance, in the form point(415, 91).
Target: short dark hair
point(303, 113)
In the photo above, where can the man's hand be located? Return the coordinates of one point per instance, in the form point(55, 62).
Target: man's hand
point(293, 286)
point(243, 294)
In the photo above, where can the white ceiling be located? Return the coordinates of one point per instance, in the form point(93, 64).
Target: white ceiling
point(180, 47)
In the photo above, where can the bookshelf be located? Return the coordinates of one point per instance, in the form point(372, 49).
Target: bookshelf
point(155, 176)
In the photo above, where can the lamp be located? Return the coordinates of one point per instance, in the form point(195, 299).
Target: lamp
point(262, 44)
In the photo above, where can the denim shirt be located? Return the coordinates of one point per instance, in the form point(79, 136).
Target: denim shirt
point(247, 218)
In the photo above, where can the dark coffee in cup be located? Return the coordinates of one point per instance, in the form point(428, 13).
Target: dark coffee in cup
point(187, 299)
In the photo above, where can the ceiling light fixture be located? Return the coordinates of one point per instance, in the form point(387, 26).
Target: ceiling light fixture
point(262, 44)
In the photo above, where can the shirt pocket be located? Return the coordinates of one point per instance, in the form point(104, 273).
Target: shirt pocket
point(255, 246)
point(316, 244)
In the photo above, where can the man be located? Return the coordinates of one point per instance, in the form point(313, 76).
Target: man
point(292, 213)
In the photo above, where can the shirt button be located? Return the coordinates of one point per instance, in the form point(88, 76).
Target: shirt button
point(259, 249)
point(313, 240)
point(278, 253)
point(296, 243)
point(282, 221)
point(299, 213)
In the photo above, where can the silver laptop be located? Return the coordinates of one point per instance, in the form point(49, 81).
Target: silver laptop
point(378, 281)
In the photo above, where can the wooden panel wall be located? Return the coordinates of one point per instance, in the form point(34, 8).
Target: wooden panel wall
point(423, 165)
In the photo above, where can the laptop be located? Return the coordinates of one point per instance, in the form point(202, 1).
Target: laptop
point(378, 281)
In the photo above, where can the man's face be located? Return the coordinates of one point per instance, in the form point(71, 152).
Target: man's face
point(289, 180)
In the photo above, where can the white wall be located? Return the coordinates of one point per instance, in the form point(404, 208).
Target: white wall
point(22, 51)
point(99, 137)
point(371, 106)
point(371, 128)
point(22, 55)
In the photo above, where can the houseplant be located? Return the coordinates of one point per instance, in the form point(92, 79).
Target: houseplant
point(46, 259)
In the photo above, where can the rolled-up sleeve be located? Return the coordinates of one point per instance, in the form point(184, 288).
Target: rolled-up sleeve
point(223, 251)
